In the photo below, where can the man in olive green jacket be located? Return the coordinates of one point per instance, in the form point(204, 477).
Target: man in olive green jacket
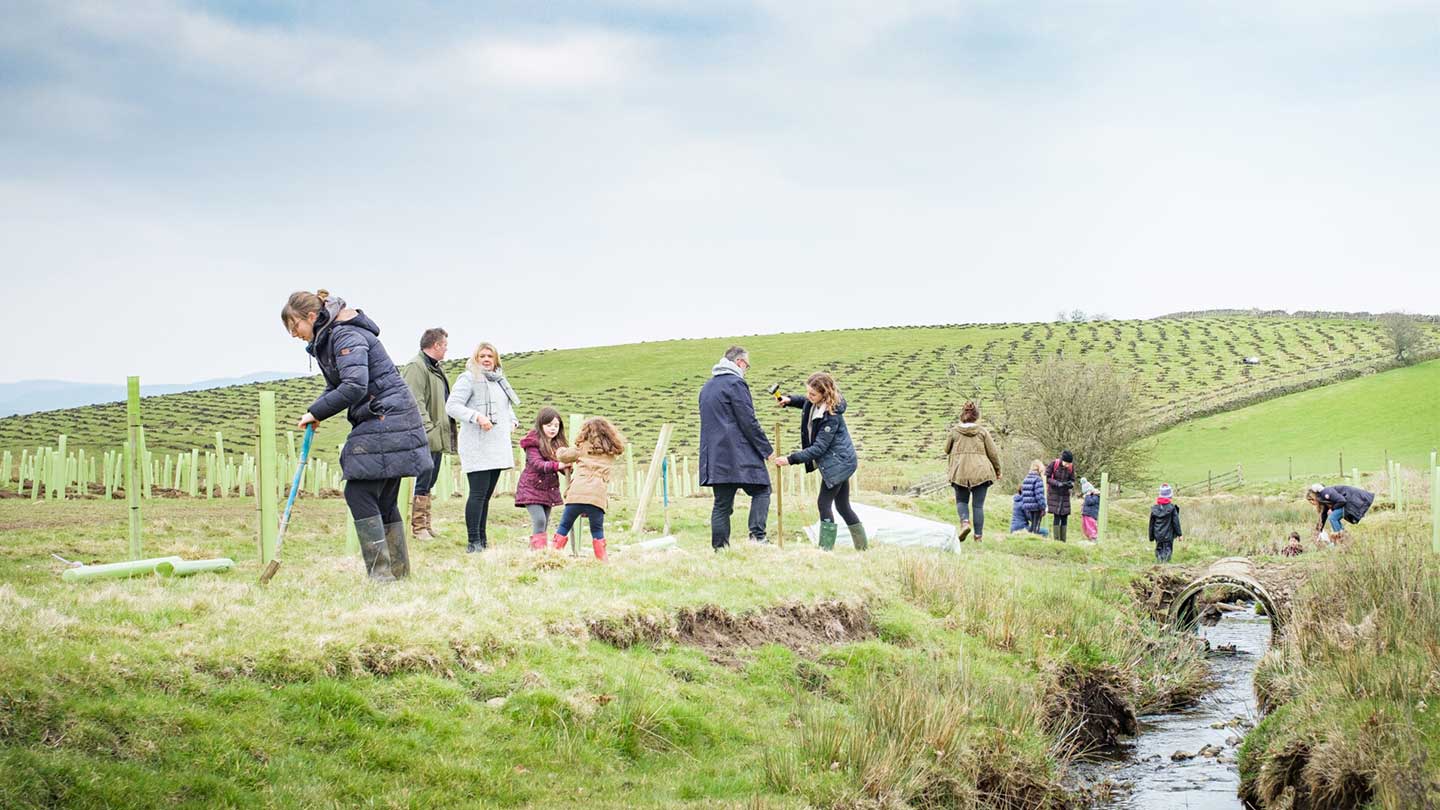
point(428, 383)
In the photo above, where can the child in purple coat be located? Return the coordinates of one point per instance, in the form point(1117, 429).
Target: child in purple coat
point(538, 490)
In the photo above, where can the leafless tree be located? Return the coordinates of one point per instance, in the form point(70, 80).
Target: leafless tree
point(1090, 409)
point(1403, 335)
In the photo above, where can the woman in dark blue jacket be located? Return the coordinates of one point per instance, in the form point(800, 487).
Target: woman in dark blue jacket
point(387, 435)
point(827, 447)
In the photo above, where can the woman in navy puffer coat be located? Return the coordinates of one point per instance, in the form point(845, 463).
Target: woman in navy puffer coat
point(387, 435)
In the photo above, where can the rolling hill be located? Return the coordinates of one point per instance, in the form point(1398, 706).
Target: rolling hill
point(1395, 412)
point(904, 383)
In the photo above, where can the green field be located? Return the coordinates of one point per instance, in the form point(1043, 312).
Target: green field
point(1395, 411)
point(904, 384)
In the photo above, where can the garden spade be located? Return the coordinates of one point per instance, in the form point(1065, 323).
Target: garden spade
point(274, 564)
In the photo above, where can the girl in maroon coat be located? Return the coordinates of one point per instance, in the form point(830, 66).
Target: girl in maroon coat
point(538, 489)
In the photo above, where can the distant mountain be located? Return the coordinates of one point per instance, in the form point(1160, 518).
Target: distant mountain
point(29, 396)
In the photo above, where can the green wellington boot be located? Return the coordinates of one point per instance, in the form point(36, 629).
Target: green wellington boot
point(828, 530)
point(373, 549)
point(399, 551)
point(857, 536)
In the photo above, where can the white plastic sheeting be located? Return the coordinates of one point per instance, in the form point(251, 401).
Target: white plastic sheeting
point(888, 528)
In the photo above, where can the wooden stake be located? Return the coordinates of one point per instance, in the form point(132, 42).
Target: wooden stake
point(778, 485)
point(652, 476)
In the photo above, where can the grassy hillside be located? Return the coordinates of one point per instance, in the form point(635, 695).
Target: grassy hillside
point(1396, 411)
point(904, 384)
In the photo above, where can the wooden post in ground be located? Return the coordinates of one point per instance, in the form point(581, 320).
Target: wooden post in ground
point(266, 485)
point(779, 486)
point(407, 498)
point(1104, 519)
point(630, 487)
point(59, 473)
point(220, 462)
point(652, 475)
point(132, 461)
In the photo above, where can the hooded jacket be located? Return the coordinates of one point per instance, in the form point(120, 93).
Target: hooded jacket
point(590, 481)
point(733, 446)
point(539, 482)
point(1355, 500)
point(387, 436)
point(973, 459)
point(1059, 481)
point(1032, 491)
point(1165, 523)
point(830, 448)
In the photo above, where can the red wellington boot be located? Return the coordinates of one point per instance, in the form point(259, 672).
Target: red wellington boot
point(537, 542)
point(559, 542)
point(599, 546)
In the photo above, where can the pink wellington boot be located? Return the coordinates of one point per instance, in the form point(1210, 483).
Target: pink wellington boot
point(559, 542)
point(599, 546)
point(537, 542)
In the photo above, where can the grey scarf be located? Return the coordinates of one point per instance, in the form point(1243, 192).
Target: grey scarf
point(486, 406)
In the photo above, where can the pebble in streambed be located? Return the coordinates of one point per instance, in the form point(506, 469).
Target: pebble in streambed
point(1188, 759)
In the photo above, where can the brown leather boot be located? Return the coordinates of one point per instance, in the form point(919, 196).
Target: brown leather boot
point(420, 518)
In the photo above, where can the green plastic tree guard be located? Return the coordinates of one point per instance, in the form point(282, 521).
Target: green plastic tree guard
point(265, 484)
point(132, 474)
point(120, 570)
point(1104, 519)
point(184, 568)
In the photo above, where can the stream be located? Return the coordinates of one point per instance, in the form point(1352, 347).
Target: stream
point(1146, 776)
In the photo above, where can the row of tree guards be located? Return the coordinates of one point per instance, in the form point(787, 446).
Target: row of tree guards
point(138, 473)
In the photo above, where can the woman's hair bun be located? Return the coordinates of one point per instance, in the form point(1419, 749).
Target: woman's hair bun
point(322, 293)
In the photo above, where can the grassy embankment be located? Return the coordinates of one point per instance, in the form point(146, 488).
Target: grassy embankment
point(1396, 411)
point(510, 679)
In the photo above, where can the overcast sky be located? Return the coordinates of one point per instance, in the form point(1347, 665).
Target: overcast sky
point(555, 174)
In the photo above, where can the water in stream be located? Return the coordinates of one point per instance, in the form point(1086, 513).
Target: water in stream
point(1202, 782)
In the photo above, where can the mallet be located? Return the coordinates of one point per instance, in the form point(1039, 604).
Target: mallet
point(274, 564)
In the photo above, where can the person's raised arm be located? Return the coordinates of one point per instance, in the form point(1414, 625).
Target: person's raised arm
point(824, 437)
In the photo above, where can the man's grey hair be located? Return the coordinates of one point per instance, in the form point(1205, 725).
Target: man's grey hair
point(734, 353)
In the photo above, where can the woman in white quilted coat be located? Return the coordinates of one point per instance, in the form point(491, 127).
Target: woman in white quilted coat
point(483, 402)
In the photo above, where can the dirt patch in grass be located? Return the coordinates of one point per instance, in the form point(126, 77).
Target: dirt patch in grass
point(1087, 708)
point(802, 627)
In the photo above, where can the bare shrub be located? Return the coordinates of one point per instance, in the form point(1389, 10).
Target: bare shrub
point(1091, 409)
point(1403, 335)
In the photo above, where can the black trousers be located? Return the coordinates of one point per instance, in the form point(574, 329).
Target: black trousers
point(424, 483)
point(836, 499)
point(374, 497)
point(725, 505)
point(477, 506)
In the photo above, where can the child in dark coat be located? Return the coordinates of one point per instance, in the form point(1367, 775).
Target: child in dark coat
point(1023, 519)
point(1164, 524)
point(1032, 493)
point(538, 490)
point(1090, 510)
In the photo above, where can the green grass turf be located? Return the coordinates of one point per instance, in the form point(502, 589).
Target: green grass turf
point(1396, 411)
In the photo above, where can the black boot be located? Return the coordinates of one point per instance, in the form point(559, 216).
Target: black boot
point(1060, 531)
point(399, 551)
point(373, 549)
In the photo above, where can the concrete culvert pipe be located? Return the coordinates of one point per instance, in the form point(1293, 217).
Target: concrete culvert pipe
point(1236, 572)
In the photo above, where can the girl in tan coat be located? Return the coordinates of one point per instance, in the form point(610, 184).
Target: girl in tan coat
point(974, 464)
point(593, 456)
